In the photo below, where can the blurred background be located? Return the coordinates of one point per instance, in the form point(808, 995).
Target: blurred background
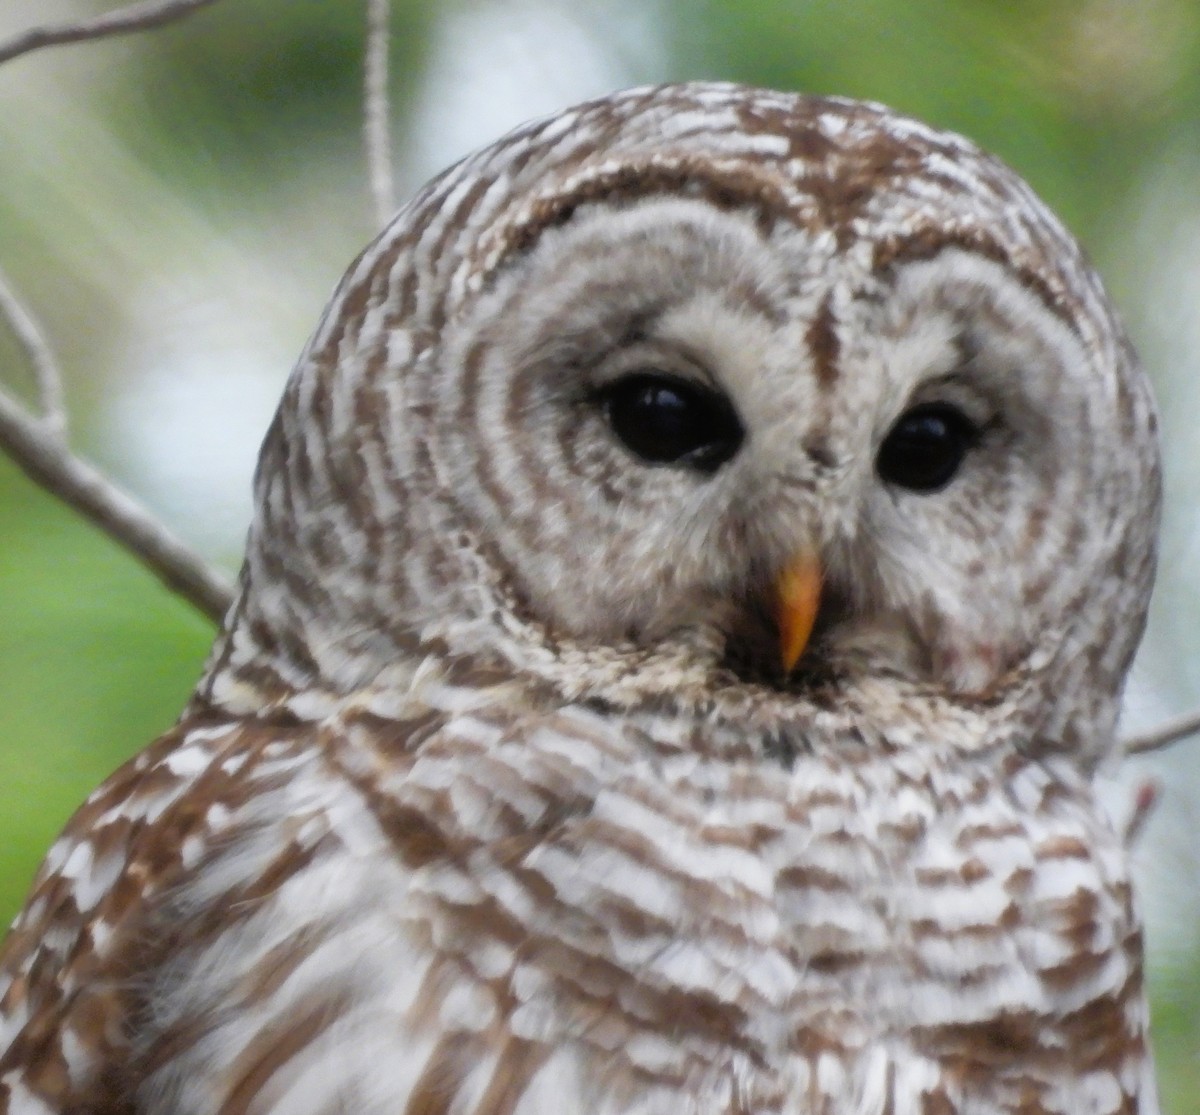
point(176, 207)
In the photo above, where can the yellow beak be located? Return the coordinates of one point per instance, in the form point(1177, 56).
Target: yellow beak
point(798, 597)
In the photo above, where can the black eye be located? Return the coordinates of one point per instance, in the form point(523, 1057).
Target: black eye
point(925, 447)
point(666, 420)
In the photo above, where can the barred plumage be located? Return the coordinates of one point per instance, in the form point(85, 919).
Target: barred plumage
point(495, 796)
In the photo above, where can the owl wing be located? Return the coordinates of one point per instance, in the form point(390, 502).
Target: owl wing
point(368, 914)
point(74, 967)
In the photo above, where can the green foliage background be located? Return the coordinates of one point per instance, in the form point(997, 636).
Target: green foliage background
point(1096, 102)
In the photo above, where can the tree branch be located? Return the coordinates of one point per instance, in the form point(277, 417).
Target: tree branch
point(376, 124)
point(133, 17)
point(1162, 737)
point(39, 447)
point(37, 443)
point(37, 351)
point(45, 459)
point(1145, 800)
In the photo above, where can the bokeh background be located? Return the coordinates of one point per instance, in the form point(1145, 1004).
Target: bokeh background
point(176, 207)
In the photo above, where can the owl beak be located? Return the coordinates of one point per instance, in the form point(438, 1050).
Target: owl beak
point(798, 597)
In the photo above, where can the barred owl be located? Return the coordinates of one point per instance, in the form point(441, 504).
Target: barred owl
point(695, 565)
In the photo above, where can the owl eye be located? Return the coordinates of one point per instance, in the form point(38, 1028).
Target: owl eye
point(925, 447)
point(667, 420)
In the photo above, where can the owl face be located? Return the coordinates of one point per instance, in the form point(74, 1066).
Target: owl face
point(670, 405)
point(623, 380)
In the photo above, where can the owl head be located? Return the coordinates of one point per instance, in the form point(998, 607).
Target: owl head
point(702, 390)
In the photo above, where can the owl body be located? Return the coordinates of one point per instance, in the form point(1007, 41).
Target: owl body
point(532, 910)
point(695, 566)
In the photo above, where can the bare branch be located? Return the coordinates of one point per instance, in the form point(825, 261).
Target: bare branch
point(38, 443)
point(1164, 735)
point(133, 17)
point(1145, 801)
point(39, 447)
point(46, 460)
point(376, 124)
point(46, 375)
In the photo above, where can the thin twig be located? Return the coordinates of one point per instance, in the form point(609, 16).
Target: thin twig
point(1145, 800)
point(38, 443)
point(45, 459)
point(376, 125)
point(133, 17)
point(37, 350)
point(1164, 735)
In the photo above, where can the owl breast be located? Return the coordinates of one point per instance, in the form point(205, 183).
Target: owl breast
point(555, 914)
